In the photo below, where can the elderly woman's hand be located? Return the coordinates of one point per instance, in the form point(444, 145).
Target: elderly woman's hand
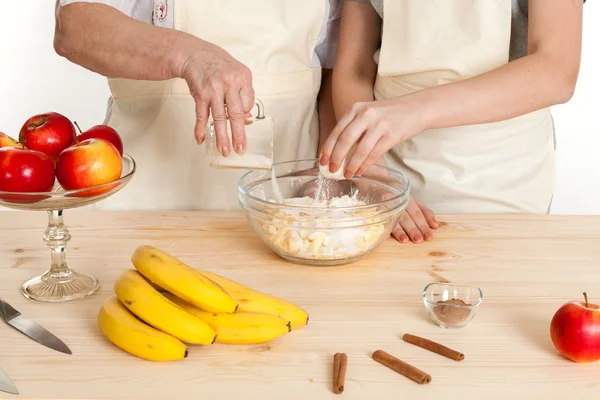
point(221, 86)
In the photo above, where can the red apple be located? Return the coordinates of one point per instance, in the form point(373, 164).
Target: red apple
point(575, 330)
point(89, 163)
point(7, 141)
point(49, 133)
point(103, 132)
point(22, 171)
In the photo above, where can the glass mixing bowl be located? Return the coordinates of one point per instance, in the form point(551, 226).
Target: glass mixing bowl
point(322, 221)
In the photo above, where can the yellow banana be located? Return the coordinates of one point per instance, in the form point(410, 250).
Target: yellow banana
point(240, 327)
point(123, 329)
point(183, 281)
point(251, 300)
point(158, 311)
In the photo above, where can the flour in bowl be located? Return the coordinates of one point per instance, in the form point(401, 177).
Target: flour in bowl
point(324, 229)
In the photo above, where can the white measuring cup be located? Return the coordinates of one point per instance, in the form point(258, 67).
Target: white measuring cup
point(259, 138)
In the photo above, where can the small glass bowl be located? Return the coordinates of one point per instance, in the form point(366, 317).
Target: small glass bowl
point(451, 306)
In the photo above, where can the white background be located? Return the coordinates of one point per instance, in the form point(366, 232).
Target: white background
point(33, 79)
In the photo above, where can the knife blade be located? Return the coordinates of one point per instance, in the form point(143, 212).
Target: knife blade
point(31, 329)
point(6, 385)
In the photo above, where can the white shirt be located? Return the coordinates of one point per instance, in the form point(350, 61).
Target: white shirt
point(160, 13)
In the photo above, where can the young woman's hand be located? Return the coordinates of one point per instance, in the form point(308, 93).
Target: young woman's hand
point(416, 223)
point(374, 127)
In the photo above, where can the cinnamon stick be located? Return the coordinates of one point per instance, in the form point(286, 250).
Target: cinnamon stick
point(336, 369)
point(401, 367)
point(340, 362)
point(434, 347)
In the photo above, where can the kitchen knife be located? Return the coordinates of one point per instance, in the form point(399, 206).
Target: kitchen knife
point(6, 385)
point(31, 329)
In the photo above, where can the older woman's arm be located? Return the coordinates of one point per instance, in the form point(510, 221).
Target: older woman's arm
point(545, 77)
point(104, 40)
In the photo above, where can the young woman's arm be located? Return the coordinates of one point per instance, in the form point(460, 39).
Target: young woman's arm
point(327, 118)
point(353, 79)
point(545, 77)
point(355, 69)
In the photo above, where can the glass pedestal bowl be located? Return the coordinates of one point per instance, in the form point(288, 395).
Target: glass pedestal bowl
point(328, 222)
point(60, 283)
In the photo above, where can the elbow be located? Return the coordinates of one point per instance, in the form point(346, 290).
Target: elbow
point(564, 75)
point(557, 72)
point(60, 45)
point(63, 31)
point(355, 75)
point(566, 89)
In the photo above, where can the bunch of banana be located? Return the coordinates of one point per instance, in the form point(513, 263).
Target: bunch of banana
point(164, 304)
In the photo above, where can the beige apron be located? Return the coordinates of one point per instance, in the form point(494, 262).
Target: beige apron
point(502, 167)
point(276, 40)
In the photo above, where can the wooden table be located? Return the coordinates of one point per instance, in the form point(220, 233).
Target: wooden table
point(526, 266)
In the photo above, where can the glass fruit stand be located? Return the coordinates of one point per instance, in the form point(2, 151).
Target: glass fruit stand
point(61, 283)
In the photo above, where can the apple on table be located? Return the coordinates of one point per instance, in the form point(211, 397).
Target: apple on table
point(49, 133)
point(575, 330)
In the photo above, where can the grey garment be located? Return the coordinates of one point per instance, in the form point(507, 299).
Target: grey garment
point(518, 37)
point(519, 29)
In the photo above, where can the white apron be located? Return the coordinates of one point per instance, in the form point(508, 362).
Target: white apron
point(503, 167)
point(276, 40)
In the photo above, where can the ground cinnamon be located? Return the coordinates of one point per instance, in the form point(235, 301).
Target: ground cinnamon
point(401, 367)
point(450, 315)
point(340, 363)
point(434, 347)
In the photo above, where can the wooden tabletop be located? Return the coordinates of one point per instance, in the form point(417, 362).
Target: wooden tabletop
point(527, 267)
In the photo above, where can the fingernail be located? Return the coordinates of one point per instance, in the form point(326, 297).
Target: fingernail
point(333, 168)
point(324, 160)
point(360, 172)
point(427, 235)
point(225, 151)
point(417, 238)
point(347, 174)
point(239, 149)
